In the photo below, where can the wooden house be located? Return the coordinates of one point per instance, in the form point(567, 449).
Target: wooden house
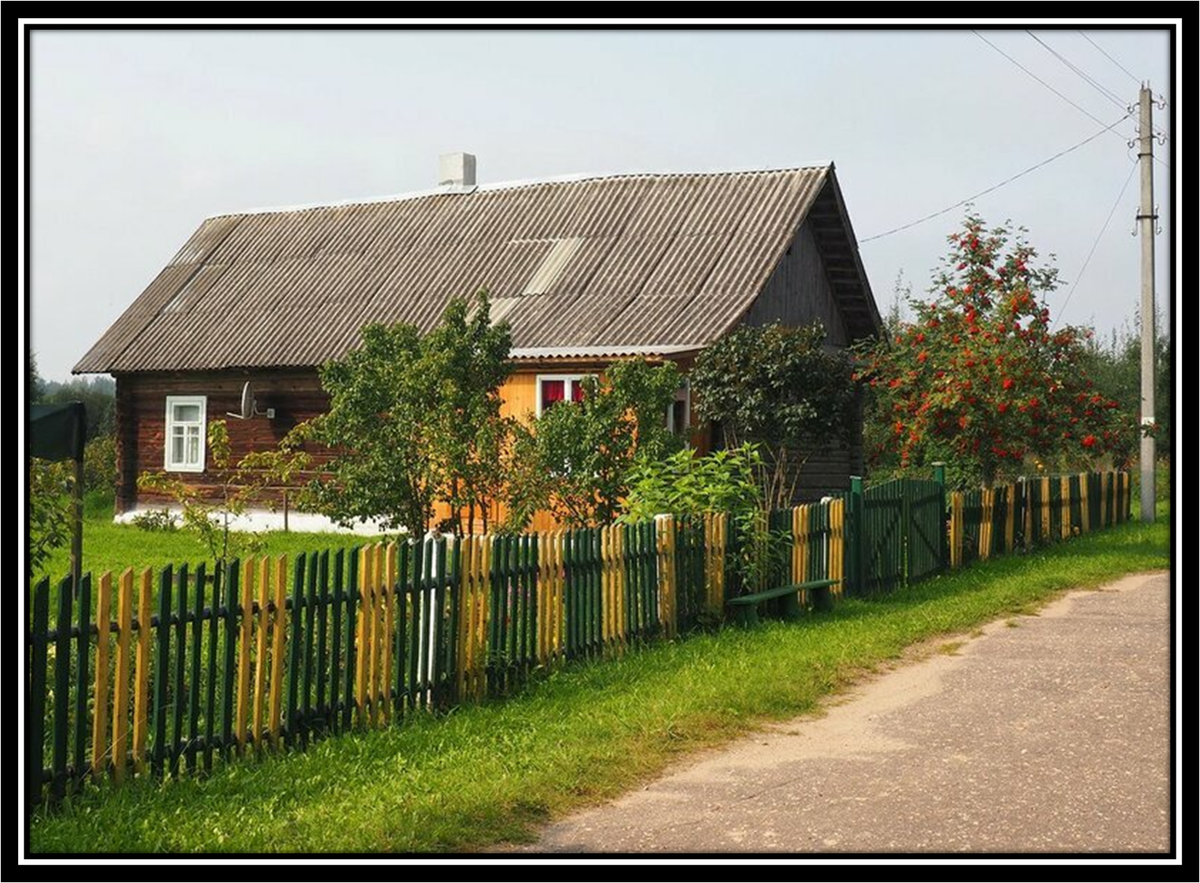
point(587, 270)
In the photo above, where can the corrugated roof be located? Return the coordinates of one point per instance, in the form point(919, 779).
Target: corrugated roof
point(655, 263)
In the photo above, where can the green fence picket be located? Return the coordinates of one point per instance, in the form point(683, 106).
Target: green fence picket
point(62, 687)
point(162, 660)
point(324, 675)
point(210, 698)
point(232, 601)
point(35, 708)
point(198, 618)
point(82, 647)
point(295, 673)
point(181, 618)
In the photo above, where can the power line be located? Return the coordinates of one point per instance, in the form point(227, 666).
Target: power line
point(1088, 259)
point(1110, 58)
point(1021, 174)
point(1043, 82)
point(1108, 94)
point(1121, 66)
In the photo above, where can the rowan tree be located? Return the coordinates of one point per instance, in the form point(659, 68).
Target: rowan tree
point(982, 379)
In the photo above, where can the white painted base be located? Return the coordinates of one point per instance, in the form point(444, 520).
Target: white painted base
point(264, 519)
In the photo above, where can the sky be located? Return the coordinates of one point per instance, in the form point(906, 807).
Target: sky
point(137, 136)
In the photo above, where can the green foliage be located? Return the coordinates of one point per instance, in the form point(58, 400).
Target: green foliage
point(1116, 369)
point(412, 420)
point(98, 395)
point(723, 481)
point(578, 461)
point(155, 521)
point(779, 388)
point(100, 464)
point(684, 483)
point(497, 771)
point(49, 510)
point(35, 382)
point(208, 516)
point(980, 379)
point(469, 357)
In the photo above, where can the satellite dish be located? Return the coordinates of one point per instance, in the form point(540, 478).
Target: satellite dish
point(250, 406)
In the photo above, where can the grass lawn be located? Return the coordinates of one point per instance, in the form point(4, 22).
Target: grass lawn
point(109, 546)
point(492, 772)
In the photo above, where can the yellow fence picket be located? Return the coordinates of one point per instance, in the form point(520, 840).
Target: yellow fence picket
point(1010, 516)
point(1046, 507)
point(607, 633)
point(986, 501)
point(1085, 517)
point(141, 676)
point(100, 714)
point(260, 652)
point(120, 741)
point(667, 612)
point(837, 544)
point(278, 643)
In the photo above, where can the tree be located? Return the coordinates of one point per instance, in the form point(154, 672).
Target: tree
point(779, 388)
point(412, 420)
point(980, 379)
point(49, 509)
point(36, 386)
point(98, 395)
point(578, 459)
point(1116, 369)
point(469, 356)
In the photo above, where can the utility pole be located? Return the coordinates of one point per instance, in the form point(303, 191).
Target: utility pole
point(1146, 220)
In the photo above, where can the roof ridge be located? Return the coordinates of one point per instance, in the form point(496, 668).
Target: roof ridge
point(519, 183)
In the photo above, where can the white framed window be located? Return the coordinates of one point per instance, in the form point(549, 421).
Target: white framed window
point(679, 412)
point(185, 434)
point(553, 388)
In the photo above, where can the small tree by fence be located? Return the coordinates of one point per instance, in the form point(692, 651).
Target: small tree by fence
point(171, 673)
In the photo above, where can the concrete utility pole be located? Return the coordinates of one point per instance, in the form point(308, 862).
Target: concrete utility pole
point(1146, 220)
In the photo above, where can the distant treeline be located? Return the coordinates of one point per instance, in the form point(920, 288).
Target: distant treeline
point(97, 392)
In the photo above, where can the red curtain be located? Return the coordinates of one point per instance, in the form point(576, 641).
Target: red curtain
point(552, 391)
point(576, 391)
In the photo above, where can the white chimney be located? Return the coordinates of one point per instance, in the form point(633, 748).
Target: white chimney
point(456, 170)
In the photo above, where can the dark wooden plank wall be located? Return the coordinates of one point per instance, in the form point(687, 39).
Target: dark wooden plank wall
point(141, 421)
point(799, 292)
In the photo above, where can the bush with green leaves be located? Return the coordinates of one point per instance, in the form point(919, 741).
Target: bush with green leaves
point(208, 516)
point(578, 460)
point(685, 483)
point(780, 388)
point(49, 510)
point(100, 464)
point(723, 481)
point(155, 521)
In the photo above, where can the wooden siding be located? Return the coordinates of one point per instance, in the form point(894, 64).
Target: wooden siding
point(799, 292)
point(141, 421)
point(297, 396)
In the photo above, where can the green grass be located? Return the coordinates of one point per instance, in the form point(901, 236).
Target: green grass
point(109, 546)
point(492, 772)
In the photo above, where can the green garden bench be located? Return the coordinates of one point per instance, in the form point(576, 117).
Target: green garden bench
point(746, 607)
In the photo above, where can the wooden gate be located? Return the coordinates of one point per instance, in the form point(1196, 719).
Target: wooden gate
point(903, 522)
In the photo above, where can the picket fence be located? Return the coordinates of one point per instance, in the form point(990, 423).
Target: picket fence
point(170, 673)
